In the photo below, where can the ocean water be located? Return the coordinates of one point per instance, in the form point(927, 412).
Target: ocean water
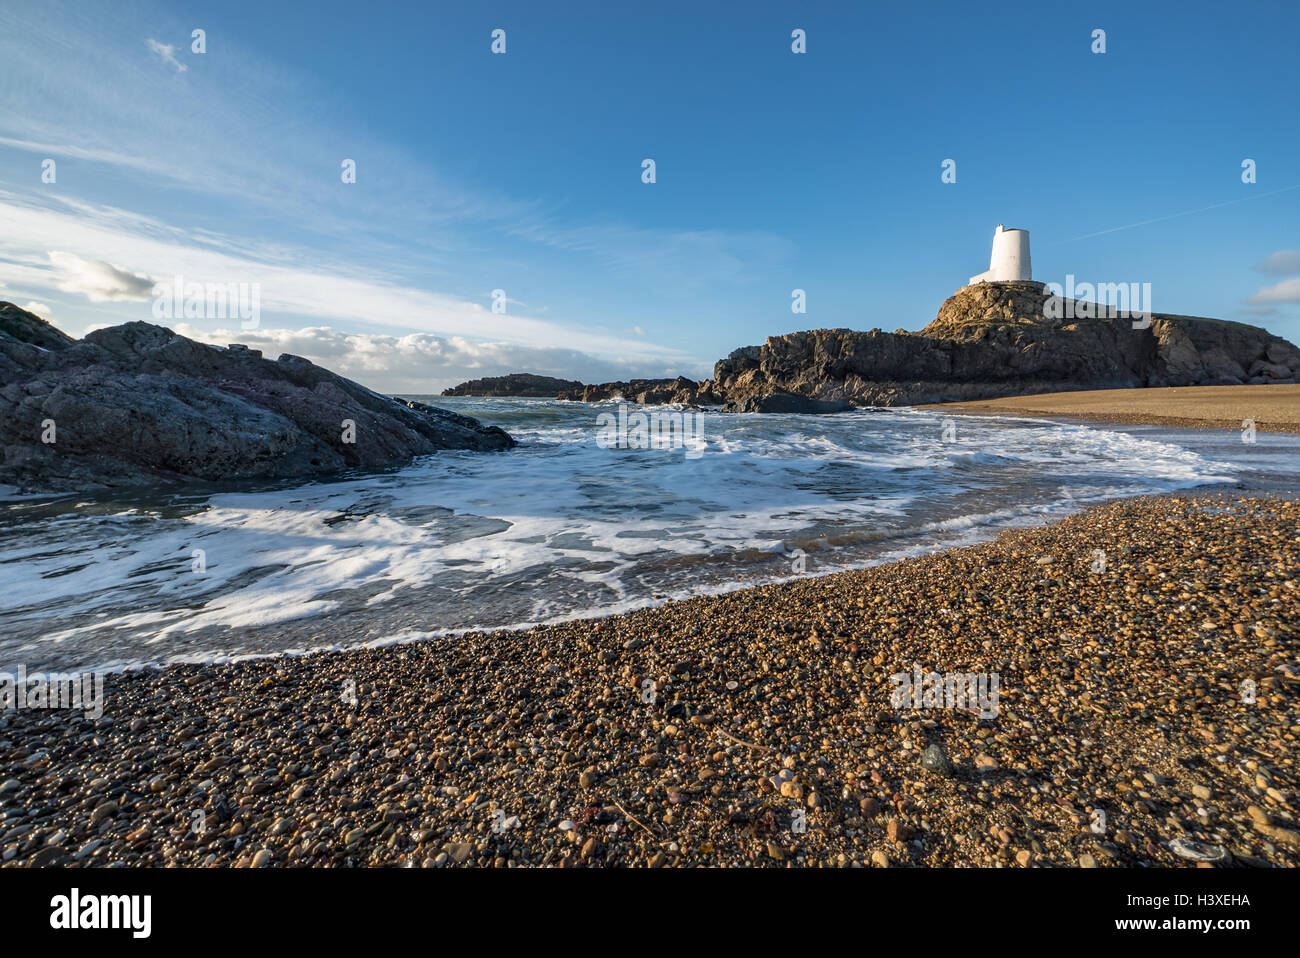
point(561, 526)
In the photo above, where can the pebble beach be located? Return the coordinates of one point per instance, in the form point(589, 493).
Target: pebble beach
point(1146, 661)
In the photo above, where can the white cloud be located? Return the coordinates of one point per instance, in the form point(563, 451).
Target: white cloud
point(426, 363)
point(98, 281)
point(1287, 291)
point(1285, 262)
point(38, 309)
point(291, 283)
point(167, 53)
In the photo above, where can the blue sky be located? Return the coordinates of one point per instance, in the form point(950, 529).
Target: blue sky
point(522, 171)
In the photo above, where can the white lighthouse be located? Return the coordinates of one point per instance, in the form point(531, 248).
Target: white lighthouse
point(1009, 261)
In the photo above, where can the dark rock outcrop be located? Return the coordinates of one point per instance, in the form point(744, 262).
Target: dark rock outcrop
point(647, 392)
point(138, 404)
point(789, 403)
point(996, 339)
point(524, 385)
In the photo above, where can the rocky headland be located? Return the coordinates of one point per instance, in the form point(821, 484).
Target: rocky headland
point(138, 404)
point(523, 385)
point(995, 339)
point(987, 341)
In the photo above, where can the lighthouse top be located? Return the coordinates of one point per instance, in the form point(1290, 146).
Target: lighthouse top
point(1009, 261)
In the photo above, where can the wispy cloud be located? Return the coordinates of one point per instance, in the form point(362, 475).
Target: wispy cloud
point(167, 53)
point(113, 111)
point(292, 283)
point(406, 250)
point(1173, 216)
point(691, 256)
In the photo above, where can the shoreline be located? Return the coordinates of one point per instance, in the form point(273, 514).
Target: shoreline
point(987, 533)
point(1272, 408)
point(396, 623)
point(547, 725)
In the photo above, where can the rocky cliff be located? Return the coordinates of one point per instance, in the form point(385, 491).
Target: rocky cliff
point(138, 404)
point(994, 340)
point(524, 385)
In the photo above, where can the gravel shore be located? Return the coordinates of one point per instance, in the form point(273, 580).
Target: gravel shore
point(1270, 408)
point(753, 728)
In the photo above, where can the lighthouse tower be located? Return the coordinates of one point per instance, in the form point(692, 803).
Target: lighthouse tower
point(1010, 259)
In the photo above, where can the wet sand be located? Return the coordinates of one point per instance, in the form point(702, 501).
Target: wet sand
point(1145, 653)
point(1271, 408)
